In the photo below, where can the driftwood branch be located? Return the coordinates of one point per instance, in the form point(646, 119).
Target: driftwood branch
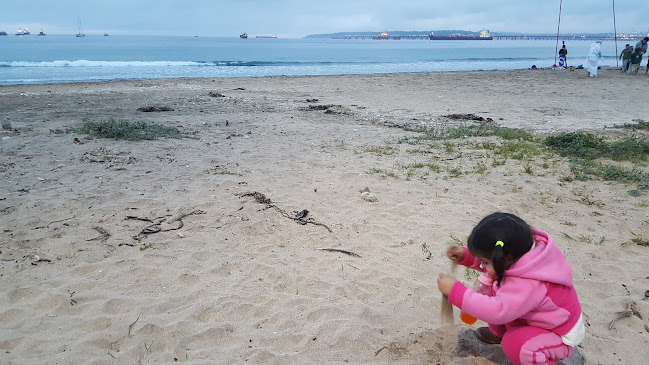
point(130, 327)
point(631, 310)
point(103, 234)
point(57, 221)
point(156, 228)
point(340, 251)
point(298, 216)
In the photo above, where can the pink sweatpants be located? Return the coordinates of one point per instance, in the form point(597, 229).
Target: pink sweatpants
point(531, 345)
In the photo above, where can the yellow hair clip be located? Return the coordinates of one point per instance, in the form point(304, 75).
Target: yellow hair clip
point(500, 243)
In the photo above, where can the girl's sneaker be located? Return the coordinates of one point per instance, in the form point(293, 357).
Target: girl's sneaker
point(484, 334)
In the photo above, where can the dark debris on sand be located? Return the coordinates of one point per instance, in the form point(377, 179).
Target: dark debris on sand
point(148, 109)
point(468, 117)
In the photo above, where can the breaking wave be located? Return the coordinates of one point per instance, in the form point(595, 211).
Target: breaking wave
point(87, 63)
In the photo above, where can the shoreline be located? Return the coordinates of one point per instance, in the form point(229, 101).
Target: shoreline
point(229, 278)
point(611, 68)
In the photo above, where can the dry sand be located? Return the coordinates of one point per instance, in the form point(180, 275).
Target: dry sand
point(244, 282)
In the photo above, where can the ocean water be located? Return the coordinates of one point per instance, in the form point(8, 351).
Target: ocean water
point(66, 58)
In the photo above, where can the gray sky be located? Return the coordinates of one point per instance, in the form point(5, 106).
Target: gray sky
point(297, 18)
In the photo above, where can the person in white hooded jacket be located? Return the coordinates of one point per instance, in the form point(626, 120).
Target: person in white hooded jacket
point(594, 56)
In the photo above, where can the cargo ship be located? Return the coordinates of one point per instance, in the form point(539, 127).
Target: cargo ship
point(484, 36)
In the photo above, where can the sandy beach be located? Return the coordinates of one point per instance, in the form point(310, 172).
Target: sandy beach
point(220, 248)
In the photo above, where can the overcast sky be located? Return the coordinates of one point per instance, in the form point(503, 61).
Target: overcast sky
point(297, 18)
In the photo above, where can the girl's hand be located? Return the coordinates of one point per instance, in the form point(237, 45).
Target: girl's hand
point(445, 283)
point(455, 253)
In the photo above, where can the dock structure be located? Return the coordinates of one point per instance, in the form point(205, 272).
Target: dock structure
point(566, 37)
point(386, 36)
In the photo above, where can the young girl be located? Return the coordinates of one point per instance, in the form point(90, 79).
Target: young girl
point(531, 307)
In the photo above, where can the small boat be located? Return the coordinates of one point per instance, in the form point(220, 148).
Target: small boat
point(41, 33)
point(105, 34)
point(80, 34)
point(267, 36)
point(243, 35)
point(3, 33)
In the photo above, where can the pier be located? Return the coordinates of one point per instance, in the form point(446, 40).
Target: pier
point(567, 37)
point(385, 36)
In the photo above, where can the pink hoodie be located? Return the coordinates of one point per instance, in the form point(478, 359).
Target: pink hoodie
point(536, 291)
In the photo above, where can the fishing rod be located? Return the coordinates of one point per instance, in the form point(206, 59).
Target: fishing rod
point(617, 59)
point(556, 48)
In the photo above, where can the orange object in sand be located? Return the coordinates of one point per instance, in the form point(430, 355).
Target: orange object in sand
point(467, 318)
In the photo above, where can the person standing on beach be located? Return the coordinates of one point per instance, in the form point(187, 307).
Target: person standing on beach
point(636, 58)
point(592, 61)
point(531, 306)
point(642, 45)
point(625, 56)
point(563, 52)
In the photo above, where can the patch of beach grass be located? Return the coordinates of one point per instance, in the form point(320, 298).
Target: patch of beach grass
point(587, 197)
point(634, 193)
point(449, 147)
point(639, 240)
point(527, 167)
point(519, 150)
point(638, 124)
point(454, 171)
point(383, 172)
point(592, 239)
point(585, 169)
point(567, 236)
point(130, 131)
point(480, 130)
point(576, 144)
point(584, 148)
point(419, 169)
point(589, 146)
point(496, 162)
point(422, 165)
point(590, 155)
point(480, 167)
point(380, 150)
point(488, 130)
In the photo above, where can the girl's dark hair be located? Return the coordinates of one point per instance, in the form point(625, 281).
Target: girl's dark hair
point(515, 234)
